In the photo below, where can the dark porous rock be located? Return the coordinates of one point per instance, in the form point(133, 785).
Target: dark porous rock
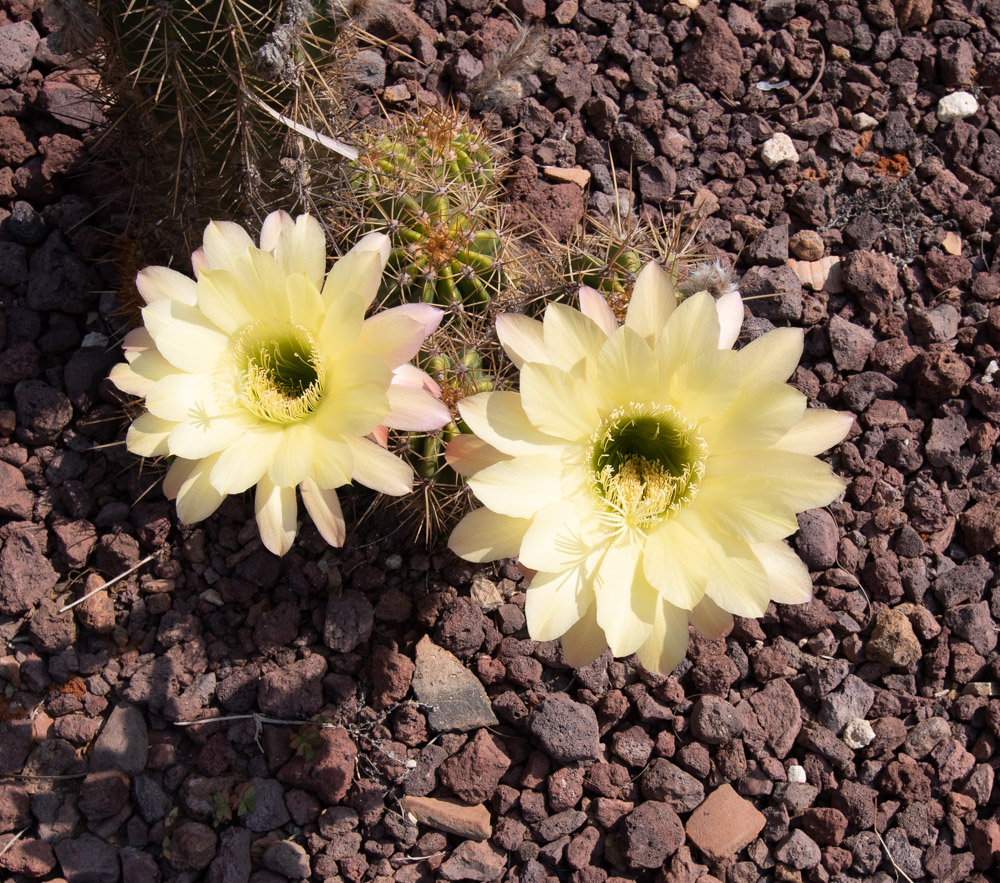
point(103, 794)
point(392, 674)
point(715, 61)
point(474, 773)
point(770, 247)
point(329, 772)
point(650, 834)
point(967, 582)
point(850, 701)
point(15, 807)
point(237, 693)
point(873, 279)
point(777, 293)
point(192, 846)
point(940, 374)
point(59, 279)
point(232, 863)
point(715, 721)
point(556, 208)
point(295, 690)
point(25, 573)
point(16, 501)
point(948, 434)
point(907, 781)
point(565, 729)
point(137, 867)
point(15, 743)
point(150, 799)
point(817, 538)
point(18, 43)
point(473, 860)
point(851, 344)
point(973, 623)
point(981, 526)
point(288, 859)
point(349, 621)
point(49, 630)
point(799, 850)
point(559, 825)
point(663, 780)
point(42, 412)
point(779, 715)
point(88, 858)
point(123, 743)
point(460, 629)
point(658, 181)
point(892, 641)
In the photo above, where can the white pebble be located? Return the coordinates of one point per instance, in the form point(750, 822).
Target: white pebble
point(862, 122)
point(858, 733)
point(796, 774)
point(957, 106)
point(778, 150)
point(95, 338)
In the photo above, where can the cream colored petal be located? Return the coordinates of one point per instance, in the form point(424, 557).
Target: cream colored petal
point(293, 458)
point(757, 419)
point(585, 641)
point(558, 403)
point(396, 335)
point(332, 462)
point(483, 535)
point(147, 436)
point(414, 409)
point(246, 461)
point(376, 468)
point(626, 369)
point(667, 644)
point(225, 245)
point(706, 385)
point(198, 262)
point(817, 431)
point(803, 482)
point(653, 300)
point(595, 307)
point(305, 306)
point(570, 336)
point(323, 507)
point(188, 482)
point(342, 324)
point(626, 602)
point(359, 272)
point(263, 286)
point(772, 357)
point(556, 539)
point(499, 419)
point(745, 507)
point(730, 310)
point(182, 396)
point(710, 619)
point(467, 454)
point(693, 328)
point(737, 581)
point(162, 283)
point(522, 338)
point(194, 439)
point(298, 247)
point(222, 302)
point(144, 369)
point(184, 337)
point(352, 410)
point(275, 225)
point(519, 487)
point(788, 576)
point(277, 515)
point(555, 602)
point(674, 563)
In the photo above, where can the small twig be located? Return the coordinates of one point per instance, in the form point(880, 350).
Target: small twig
point(14, 840)
point(110, 582)
point(333, 144)
point(257, 718)
point(34, 778)
point(885, 846)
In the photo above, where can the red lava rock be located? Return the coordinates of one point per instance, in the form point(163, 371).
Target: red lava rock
point(330, 770)
point(30, 857)
point(349, 621)
point(799, 850)
point(42, 412)
point(277, 627)
point(816, 541)
point(295, 690)
point(392, 674)
point(714, 62)
point(192, 846)
point(71, 105)
point(851, 344)
point(15, 803)
point(715, 721)
point(824, 824)
point(565, 789)
point(25, 573)
point(984, 841)
point(724, 824)
point(97, 613)
point(940, 374)
point(75, 540)
point(779, 714)
point(567, 730)
point(474, 773)
point(651, 833)
point(103, 794)
point(892, 641)
point(556, 208)
point(665, 781)
point(906, 781)
point(873, 279)
point(633, 746)
point(981, 526)
point(473, 860)
point(460, 629)
point(946, 271)
point(16, 501)
point(89, 858)
point(17, 49)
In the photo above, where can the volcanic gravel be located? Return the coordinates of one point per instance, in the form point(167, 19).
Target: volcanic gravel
point(851, 738)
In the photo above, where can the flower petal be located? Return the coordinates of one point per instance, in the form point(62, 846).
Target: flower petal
point(788, 575)
point(182, 396)
point(221, 301)
point(184, 336)
point(359, 272)
point(556, 539)
point(467, 454)
point(410, 375)
point(188, 482)
point(345, 316)
point(558, 403)
point(162, 283)
point(147, 436)
point(292, 460)
point(706, 385)
point(744, 507)
point(376, 468)
point(595, 307)
point(555, 602)
point(483, 535)
point(803, 482)
point(323, 506)
point(332, 462)
point(299, 246)
point(277, 514)
point(653, 300)
point(499, 419)
point(667, 644)
point(674, 563)
point(194, 439)
point(817, 431)
point(772, 357)
point(585, 641)
point(626, 368)
point(246, 461)
point(692, 328)
point(737, 581)
point(730, 310)
point(225, 245)
point(396, 335)
point(626, 602)
point(138, 375)
point(757, 419)
point(522, 338)
point(570, 336)
point(519, 487)
point(414, 409)
point(306, 307)
point(710, 619)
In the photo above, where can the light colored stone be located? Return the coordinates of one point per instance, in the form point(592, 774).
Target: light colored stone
point(580, 177)
point(485, 593)
point(858, 733)
point(862, 122)
point(724, 824)
point(455, 698)
point(705, 202)
point(796, 774)
point(470, 822)
point(778, 150)
point(474, 861)
point(957, 106)
point(980, 688)
point(826, 274)
point(952, 243)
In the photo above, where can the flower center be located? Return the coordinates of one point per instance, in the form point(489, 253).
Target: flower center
point(280, 371)
point(647, 462)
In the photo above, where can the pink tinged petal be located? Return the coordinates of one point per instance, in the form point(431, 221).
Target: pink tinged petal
point(523, 339)
point(802, 482)
point(410, 375)
point(415, 409)
point(380, 435)
point(499, 419)
point(788, 576)
point(222, 302)
point(246, 461)
point(194, 439)
point(199, 263)
point(757, 419)
point(653, 300)
point(730, 310)
point(556, 540)
point(184, 336)
point(162, 283)
point(294, 456)
point(711, 620)
point(187, 481)
point(519, 487)
point(332, 462)
point(626, 602)
point(323, 507)
point(706, 385)
point(137, 342)
point(674, 564)
point(555, 602)
point(817, 431)
point(376, 468)
point(483, 535)
point(558, 403)
point(277, 513)
point(595, 307)
point(584, 641)
point(396, 335)
point(359, 272)
point(305, 306)
point(570, 336)
point(744, 507)
point(772, 357)
point(147, 436)
point(225, 245)
point(181, 397)
point(667, 644)
point(692, 328)
point(467, 455)
point(626, 369)
point(299, 246)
